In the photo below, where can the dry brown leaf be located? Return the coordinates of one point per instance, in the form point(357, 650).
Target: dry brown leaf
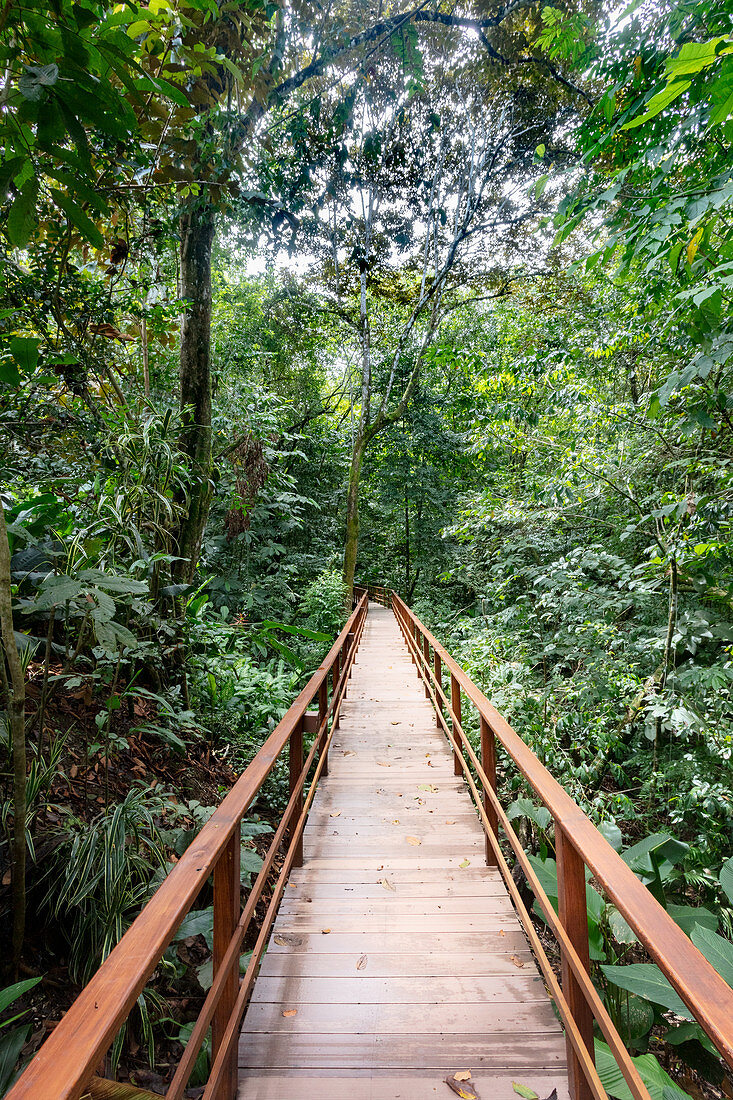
point(361, 964)
point(462, 1075)
point(462, 1087)
point(502, 932)
point(450, 822)
point(290, 1012)
point(517, 961)
point(387, 885)
point(395, 822)
point(413, 840)
point(383, 764)
point(286, 939)
point(325, 932)
point(394, 723)
point(349, 752)
point(336, 813)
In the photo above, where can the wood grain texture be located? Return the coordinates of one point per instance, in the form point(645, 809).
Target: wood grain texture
point(396, 957)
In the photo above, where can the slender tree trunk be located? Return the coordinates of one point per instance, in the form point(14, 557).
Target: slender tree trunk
point(407, 543)
point(352, 513)
point(197, 235)
point(15, 688)
point(146, 356)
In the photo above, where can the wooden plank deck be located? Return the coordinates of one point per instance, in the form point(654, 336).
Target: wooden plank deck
point(396, 958)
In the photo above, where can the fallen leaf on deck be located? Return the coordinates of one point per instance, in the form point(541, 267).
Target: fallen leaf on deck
point(336, 813)
point(462, 1075)
point(413, 840)
point(325, 931)
point(517, 961)
point(361, 964)
point(395, 822)
point(502, 932)
point(462, 1087)
point(524, 1090)
point(285, 939)
point(450, 822)
point(387, 885)
point(383, 764)
point(349, 753)
point(290, 1012)
point(427, 787)
point(394, 723)
point(466, 863)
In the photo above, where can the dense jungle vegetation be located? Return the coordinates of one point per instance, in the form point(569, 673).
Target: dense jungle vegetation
point(292, 295)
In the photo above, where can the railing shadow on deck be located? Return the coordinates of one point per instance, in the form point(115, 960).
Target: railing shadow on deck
point(578, 844)
point(64, 1067)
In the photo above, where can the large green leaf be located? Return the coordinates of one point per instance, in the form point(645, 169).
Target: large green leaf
point(717, 951)
point(726, 879)
point(648, 981)
point(12, 992)
point(22, 216)
point(24, 350)
point(689, 917)
point(658, 1082)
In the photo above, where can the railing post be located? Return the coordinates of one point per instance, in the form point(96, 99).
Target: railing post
point(455, 703)
point(438, 665)
point(350, 640)
point(488, 763)
point(295, 768)
point(426, 654)
point(227, 899)
point(335, 674)
point(322, 708)
point(573, 915)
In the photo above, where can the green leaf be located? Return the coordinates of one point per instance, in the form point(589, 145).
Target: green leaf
point(9, 373)
point(612, 833)
point(24, 350)
point(78, 218)
point(22, 216)
point(658, 1082)
point(622, 931)
point(689, 917)
point(718, 951)
point(524, 1090)
point(647, 981)
point(659, 101)
point(12, 992)
point(35, 78)
point(726, 879)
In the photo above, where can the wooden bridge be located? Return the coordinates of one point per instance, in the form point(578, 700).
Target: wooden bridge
point(399, 949)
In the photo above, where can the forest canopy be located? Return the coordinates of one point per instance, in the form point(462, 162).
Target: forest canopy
point(296, 296)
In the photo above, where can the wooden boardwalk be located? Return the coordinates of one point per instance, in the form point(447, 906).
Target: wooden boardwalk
point(396, 958)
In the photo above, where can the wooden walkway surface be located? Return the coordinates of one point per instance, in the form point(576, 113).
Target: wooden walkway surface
point(396, 958)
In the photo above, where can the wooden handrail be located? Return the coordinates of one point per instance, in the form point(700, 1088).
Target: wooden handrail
point(578, 843)
point(71, 1055)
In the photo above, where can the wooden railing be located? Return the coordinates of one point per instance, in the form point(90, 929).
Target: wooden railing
point(64, 1066)
point(578, 844)
point(377, 592)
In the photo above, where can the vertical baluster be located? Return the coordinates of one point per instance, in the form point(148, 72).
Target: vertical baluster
point(488, 763)
point(336, 721)
point(322, 708)
point(455, 702)
point(227, 898)
point(438, 684)
point(573, 916)
point(295, 768)
point(426, 668)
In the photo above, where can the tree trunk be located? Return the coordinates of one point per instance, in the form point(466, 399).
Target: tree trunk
point(197, 235)
point(15, 688)
point(352, 513)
